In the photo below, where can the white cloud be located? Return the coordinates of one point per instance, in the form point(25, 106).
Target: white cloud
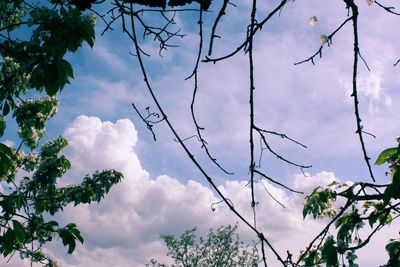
point(306, 183)
point(370, 89)
point(124, 229)
point(303, 101)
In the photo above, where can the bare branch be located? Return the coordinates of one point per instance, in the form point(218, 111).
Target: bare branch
point(132, 36)
point(195, 74)
point(214, 27)
point(268, 147)
point(251, 98)
point(389, 9)
point(257, 27)
point(354, 10)
point(277, 201)
point(284, 136)
point(329, 42)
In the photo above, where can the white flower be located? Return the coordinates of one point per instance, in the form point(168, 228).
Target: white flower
point(313, 21)
point(34, 136)
point(324, 39)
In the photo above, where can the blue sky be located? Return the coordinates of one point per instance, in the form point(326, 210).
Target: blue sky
point(162, 191)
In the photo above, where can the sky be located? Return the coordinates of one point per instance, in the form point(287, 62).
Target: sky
point(163, 192)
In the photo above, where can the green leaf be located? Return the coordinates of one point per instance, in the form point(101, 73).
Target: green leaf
point(68, 235)
point(2, 125)
point(77, 234)
point(6, 162)
point(385, 155)
point(67, 239)
point(392, 249)
point(329, 253)
point(5, 150)
point(319, 203)
point(8, 242)
point(19, 231)
point(388, 194)
point(6, 109)
point(87, 31)
point(52, 76)
point(393, 189)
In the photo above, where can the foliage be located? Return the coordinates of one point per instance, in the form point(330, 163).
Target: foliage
point(367, 205)
point(33, 71)
point(221, 248)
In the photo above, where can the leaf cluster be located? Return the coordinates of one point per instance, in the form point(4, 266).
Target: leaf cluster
point(366, 204)
point(221, 247)
point(23, 219)
point(35, 38)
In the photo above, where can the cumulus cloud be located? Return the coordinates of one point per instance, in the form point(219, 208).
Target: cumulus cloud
point(124, 229)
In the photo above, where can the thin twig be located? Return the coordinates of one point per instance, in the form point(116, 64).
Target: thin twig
point(216, 23)
point(278, 155)
point(182, 144)
point(257, 27)
point(388, 8)
point(329, 37)
point(195, 74)
point(277, 183)
point(284, 136)
point(274, 198)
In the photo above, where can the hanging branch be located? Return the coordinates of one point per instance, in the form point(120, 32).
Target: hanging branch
point(195, 74)
point(251, 99)
point(354, 10)
point(133, 38)
point(214, 27)
point(268, 147)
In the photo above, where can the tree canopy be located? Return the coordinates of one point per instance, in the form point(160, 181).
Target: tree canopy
point(33, 71)
point(221, 247)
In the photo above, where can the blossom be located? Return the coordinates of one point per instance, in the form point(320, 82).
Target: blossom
point(313, 21)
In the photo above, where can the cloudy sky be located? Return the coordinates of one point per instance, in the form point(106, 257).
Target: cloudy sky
point(163, 192)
